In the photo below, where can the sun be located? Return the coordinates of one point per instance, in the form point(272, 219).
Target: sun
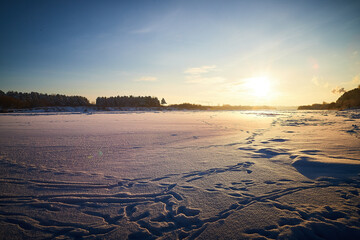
point(259, 87)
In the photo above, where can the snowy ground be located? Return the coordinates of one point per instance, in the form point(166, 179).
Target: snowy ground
point(180, 175)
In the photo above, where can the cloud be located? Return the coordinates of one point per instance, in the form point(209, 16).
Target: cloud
point(318, 82)
point(315, 80)
point(205, 80)
point(338, 90)
point(203, 75)
point(159, 23)
point(146, 79)
point(200, 70)
point(144, 30)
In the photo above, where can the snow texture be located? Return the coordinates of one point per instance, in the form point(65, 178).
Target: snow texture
point(180, 175)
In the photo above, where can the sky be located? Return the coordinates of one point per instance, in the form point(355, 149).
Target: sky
point(281, 53)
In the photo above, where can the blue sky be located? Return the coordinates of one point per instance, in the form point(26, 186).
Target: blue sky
point(205, 52)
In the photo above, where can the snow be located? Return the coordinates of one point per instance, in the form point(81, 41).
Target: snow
point(180, 175)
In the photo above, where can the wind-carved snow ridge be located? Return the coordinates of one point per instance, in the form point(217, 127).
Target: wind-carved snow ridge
point(155, 213)
point(180, 175)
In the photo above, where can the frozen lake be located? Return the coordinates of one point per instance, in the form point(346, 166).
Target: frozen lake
point(180, 175)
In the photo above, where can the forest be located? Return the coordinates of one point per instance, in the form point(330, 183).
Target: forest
point(17, 100)
point(20, 100)
point(127, 101)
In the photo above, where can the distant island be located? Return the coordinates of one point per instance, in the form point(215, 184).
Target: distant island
point(349, 100)
point(13, 101)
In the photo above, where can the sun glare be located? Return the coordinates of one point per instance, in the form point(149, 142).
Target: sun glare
point(258, 86)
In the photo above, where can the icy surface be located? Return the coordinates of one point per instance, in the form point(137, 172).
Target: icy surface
point(180, 175)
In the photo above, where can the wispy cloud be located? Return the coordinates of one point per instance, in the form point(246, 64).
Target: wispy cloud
point(200, 70)
point(158, 23)
point(146, 79)
point(338, 90)
point(319, 82)
point(315, 81)
point(205, 80)
point(203, 75)
point(144, 30)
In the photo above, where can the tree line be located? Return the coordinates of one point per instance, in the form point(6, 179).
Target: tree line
point(350, 99)
point(128, 101)
point(13, 99)
point(17, 100)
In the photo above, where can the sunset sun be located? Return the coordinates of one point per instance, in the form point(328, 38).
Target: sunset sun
point(259, 87)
